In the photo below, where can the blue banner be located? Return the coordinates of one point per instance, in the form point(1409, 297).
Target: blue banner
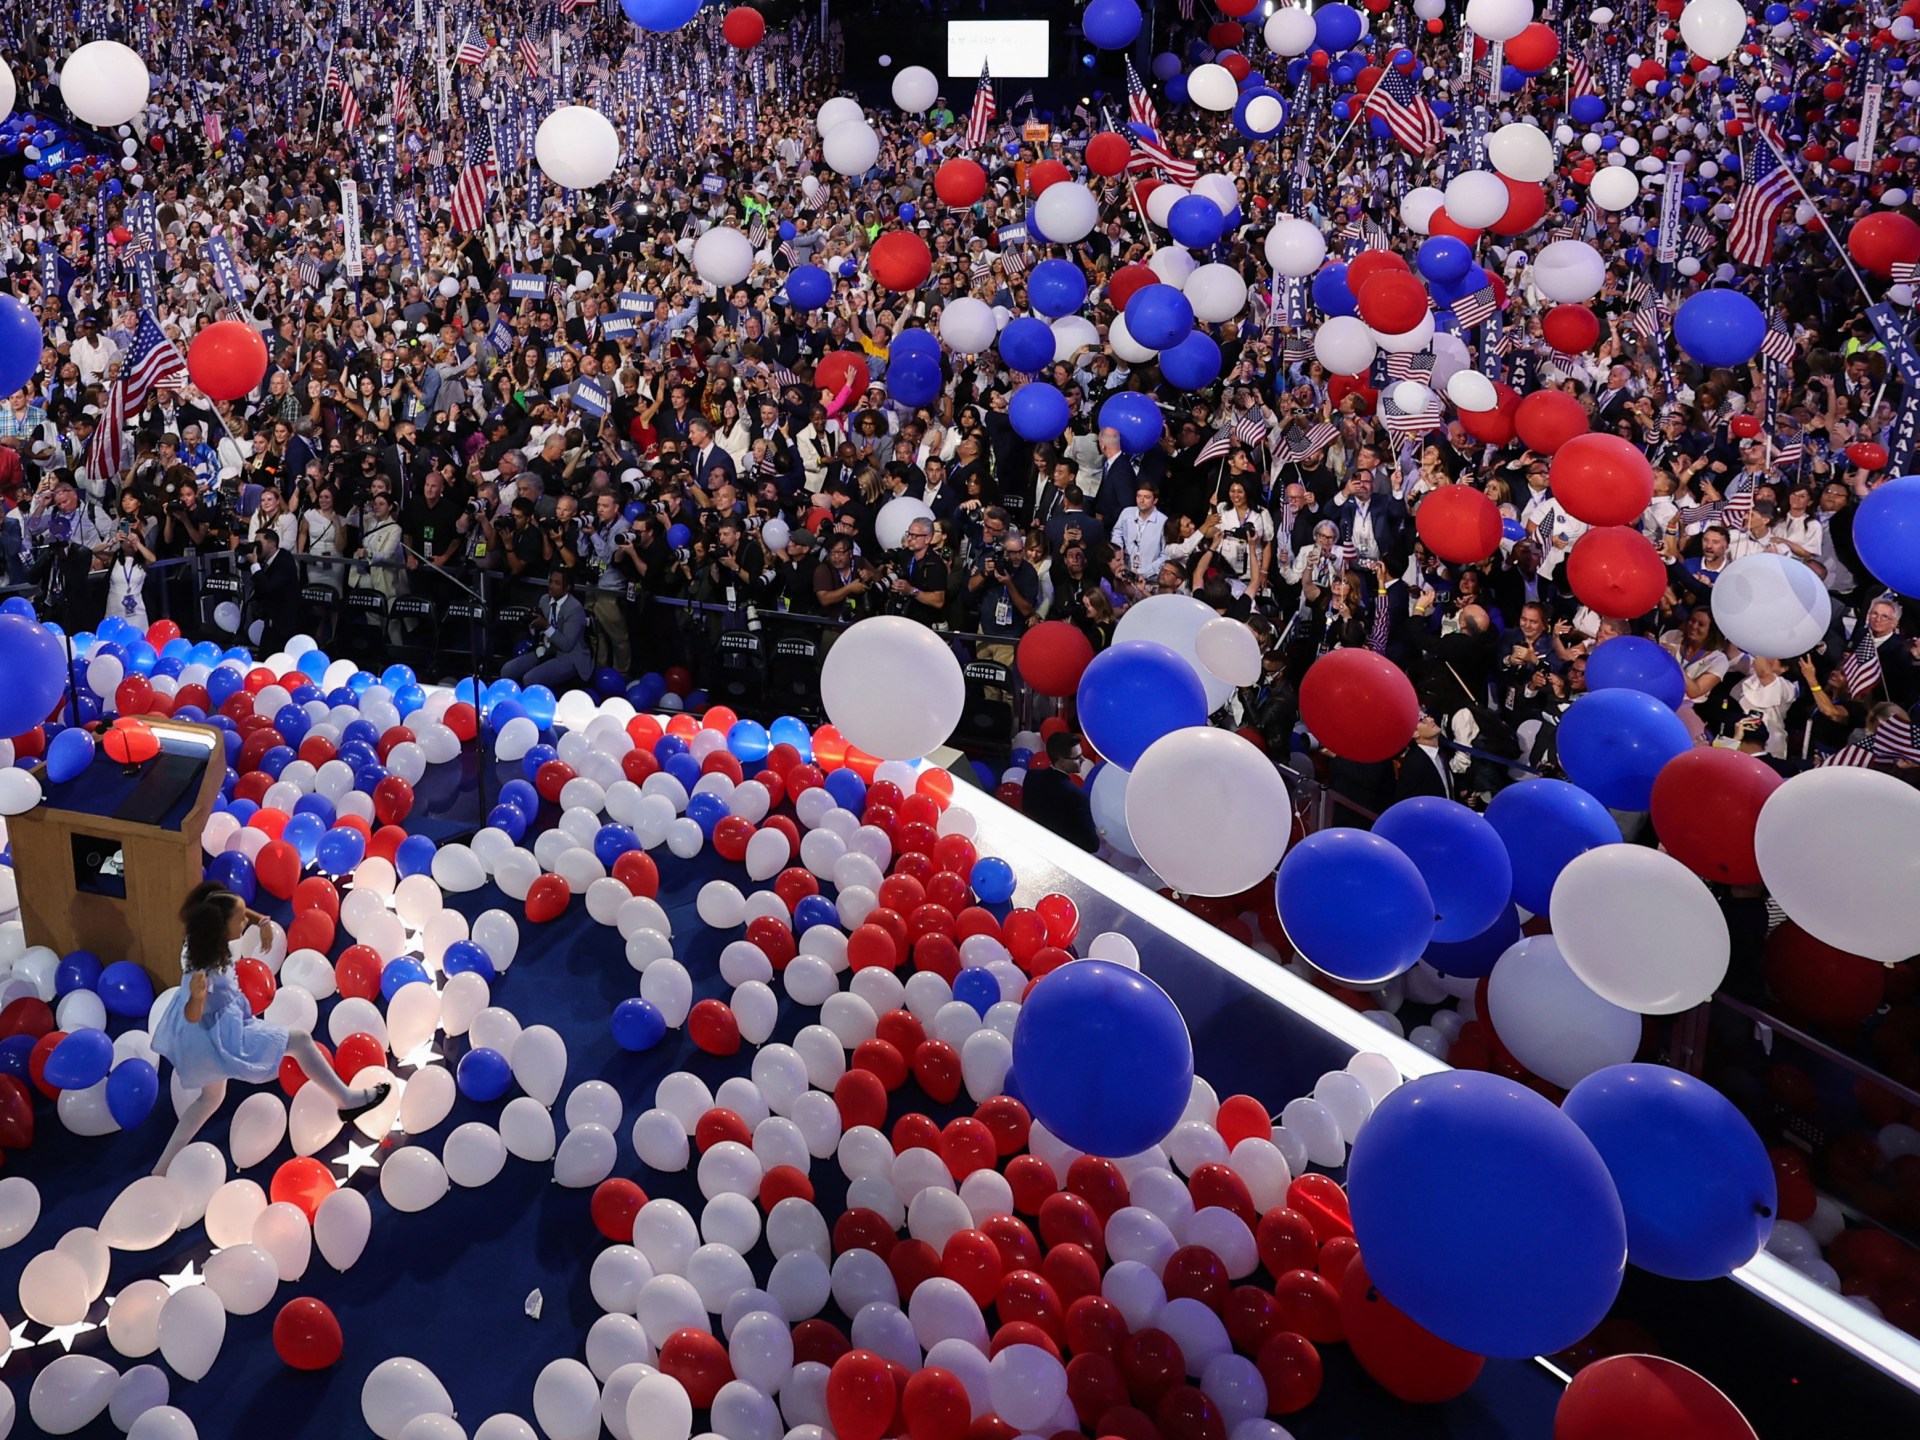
point(590, 398)
point(527, 287)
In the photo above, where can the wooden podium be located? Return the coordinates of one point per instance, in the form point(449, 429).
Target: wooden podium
point(104, 862)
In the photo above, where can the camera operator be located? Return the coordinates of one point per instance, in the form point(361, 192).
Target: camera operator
point(1009, 591)
point(77, 536)
point(607, 561)
point(841, 581)
point(916, 577)
point(734, 566)
point(524, 543)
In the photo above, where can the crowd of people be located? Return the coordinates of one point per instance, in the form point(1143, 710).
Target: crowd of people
point(417, 430)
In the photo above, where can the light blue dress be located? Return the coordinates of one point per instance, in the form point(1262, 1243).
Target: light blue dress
point(229, 1043)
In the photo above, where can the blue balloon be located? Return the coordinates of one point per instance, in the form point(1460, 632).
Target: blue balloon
point(660, 16)
point(992, 880)
point(508, 818)
point(1133, 693)
point(1720, 327)
point(808, 287)
point(1027, 345)
point(79, 1061)
point(1613, 743)
point(539, 703)
point(1354, 905)
point(792, 730)
point(16, 1054)
point(316, 805)
point(1159, 316)
point(914, 340)
point(1587, 109)
point(464, 956)
point(976, 986)
point(1193, 364)
point(1444, 258)
point(609, 682)
point(1460, 857)
point(1194, 221)
point(707, 810)
point(1134, 415)
point(31, 657)
point(788, 230)
point(645, 693)
point(1177, 90)
point(1471, 958)
point(612, 841)
point(484, 1074)
point(814, 910)
point(1111, 24)
point(637, 1025)
point(1331, 292)
point(1886, 529)
point(235, 871)
point(1038, 412)
point(1103, 1058)
point(848, 790)
point(132, 1087)
point(913, 380)
point(1166, 65)
point(21, 340)
point(1270, 118)
point(126, 990)
point(395, 975)
point(415, 856)
point(68, 754)
point(1486, 1215)
point(340, 850)
point(748, 741)
point(1631, 662)
point(536, 756)
point(1545, 825)
point(292, 722)
point(1055, 288)
point(1335, 27)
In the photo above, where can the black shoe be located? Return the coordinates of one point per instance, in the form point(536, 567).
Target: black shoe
point(380, 1093)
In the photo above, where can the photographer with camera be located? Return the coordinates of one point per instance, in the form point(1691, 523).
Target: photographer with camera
point(560, 656)
point(607, 563)
point(915, 577)
point(841, 581)
point(76, 537)
point(1009, 591)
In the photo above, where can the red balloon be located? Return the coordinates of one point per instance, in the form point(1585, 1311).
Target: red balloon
point(1392, 301)
point(358, 1052)
point(1548, 419)
point(1616, 571)
point(1882, 240)
point(972, 1261)
point(227, 359)
point(1868, 454)
point(1490, 427)
point(836, 369)
point(255, 982)
point(277, 868)
point(900, 259)
point(1044, 173)
point(1458, 523)
point(1290, 1365)
point(1310, 1306)
point(356, 974)
point(29, 1015)
point(1744, 426)
point(292, 1077)
point(302, 1181)
point(712, 1026)
point(1152, 1362)
point(1409, 1361)
point(959, 182)
point(1533, 49)
point(551, 778)
point(1365, 267)
point(1324, 1203)
point(1127, 282)
point(392, 801)
point(16, 1111)
point(744, 27)
point(699, 1362)
point(861, 1396)
point(1706, 803)
point(1816, 982)
point(615, 1203)
point(1571, 329)
point(134, 695)
point(1108, 153)
point(1526, 207)
point(463, 720)
point(1361, 705)
point(635, 870)
point(306, 1334)
point(935, 1405)
point(547, 899)
point(1052, 656)
point(1645, 1395)
point(1602, 479)
point(1441, 223)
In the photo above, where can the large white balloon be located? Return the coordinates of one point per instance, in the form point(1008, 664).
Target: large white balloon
point(915, 89)
point(1835, 846)
point(1208, 811)
point(891, 522)
point(1119, 340)
point(1713, 29)
point(1615, 188)
point(893, 687)
point(1417, 207)
point(1071, 335)
point(397, 1391)
point(1496, 20)
point(838, 111)
point(1290, 30)
point(1771, 605)
point(70, 1393)
point(1569, 271)
point(577, 147)
point(1216, 292)
point(1066, 212)
point(1477, 198)
point(1470, 390)
point(852, 148)
point(1640, 929)
point(723, 256)
point(1295, 247)
point(104, 83)
point(1344, 345)
point(1176, 621)
point(1521, 152)
point(968, 325)
point(1212, 87)
point(1551, 1021)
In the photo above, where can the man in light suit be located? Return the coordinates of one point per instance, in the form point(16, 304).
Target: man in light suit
point(560, 656)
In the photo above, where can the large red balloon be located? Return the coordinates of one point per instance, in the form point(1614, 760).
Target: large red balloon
point(1108, 153)
point(1128, 281)
point(1813, 981)
point(1052, 657)
point(302, 1181)
point(1616, 571)
point(860, 1396)
point(1882, 240)
point(834, 370)
point(959, 182)
point(1571, 329)
point(1458, 523)
point(1547, 419)
point(699, 1362)
point(306, 1334)
point(1706, 802)
point(227, 359)
point(1645, 1395)
point(1392, 302)
point(547, 899)
point(1368, 265)
point(1409, 1361)
point(900, 259)
point(1361, 705)
point(1526, 208)
point(1601, 479)
point(1044, 173)
point(1533, 49)
point(744, 27)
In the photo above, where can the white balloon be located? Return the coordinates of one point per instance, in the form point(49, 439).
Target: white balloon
point(244, 1277)
point(145, 1214)
point(1066, 212)
point(892, 519)
point(192, 1327)
point(1212, 87)
point(473, 1155)
point(8, 92)
point(1289, 30)
point(527, 1129)
point(915, 89)
point(836, 111)
point(1615, 188)
point(1477, 198)
point(105, 84)
point(1344, 344)
point(70, 1393)
point(1470, 390)
point(586, 1157)
point(1569, 271)
point(1208, 811)
point(1521, 152)
point(722, 257)
point(566, 1401)
point(577, 147)
point(1216, 292)
point(967, 325)
point(341, 1227)
point(1839, 825)
point(658, 1409)
point(1497, 20)
point(1713, 29)
point(1417, 207)
point(893, 687)
point(851, 148)
point(1665, 952)
point(413, 1179)
point(1295, 247)
point(1554, 1025)
point(396, 1391)
point(539, 1058)
point(283, 1232)
point(1772, 606)
point(260, 1124)
point(1071, 335)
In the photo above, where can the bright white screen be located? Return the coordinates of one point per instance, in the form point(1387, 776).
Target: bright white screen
point(1015, 49)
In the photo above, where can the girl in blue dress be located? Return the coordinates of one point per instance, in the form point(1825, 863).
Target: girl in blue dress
point(209, 1032)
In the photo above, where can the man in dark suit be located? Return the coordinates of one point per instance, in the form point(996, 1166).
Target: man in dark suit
point(1055, 801)
point(1119, 478)
point(1423, 765)
point(1459, 667)
point(707, 457)
point(1377, 526)
point(560, 657)
point(1519, 582)
point(936, 491)
point(276, 593)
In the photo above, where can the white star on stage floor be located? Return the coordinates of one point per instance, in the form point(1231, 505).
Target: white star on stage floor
point(66, 1334)
point(18, 1340)
point(358, 1157)
point(184, 1280)
point(422, 1054)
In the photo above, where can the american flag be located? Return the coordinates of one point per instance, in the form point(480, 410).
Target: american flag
point(1476, 308)
point(1861, 672)
point(1780, 344)
point(1250, 429)
point(153, 361)
point(1152, 155)
point(1405, 424)
point(567, 7)
point(1650, 320)
point(1890, 743)
point(1406, 112)
point(473, 47)
point(1139, 103)
point(336, 84)
point(402, 98)
point(307, 270)
point(528, 50)
point(1012, 264)
point(1905, 272)
point(1415, 366)
point(1580, 76)
point(1789, 446)
point(1767, 186)
point(1303, 445)
point(479, 168)
point(1381, 626)
point(1217, 448)
point(981, 116)
point(757, 231)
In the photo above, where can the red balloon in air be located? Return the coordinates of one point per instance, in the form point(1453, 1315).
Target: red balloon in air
point(959, 182)
point(1571, 329)
point(1615, 570)
point(1602, 479)
point(1548, 419)
point(1816, 982)
point(227, 359)
point(1645, 1395)
point(1108, 153)
point(1052, 656)
point(1361, 705)
point(1409, 1361)
point(1706, 803)
point(306, 1334)
point(744, 27)
point(1459, 523)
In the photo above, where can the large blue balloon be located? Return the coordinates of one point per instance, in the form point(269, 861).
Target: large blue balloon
point(1038, 412)
point(1335, 27)
point(638, 1025)
point(1471, 958)
point(1720, 327)
point(235, 871)
point(126, 989)
point(660, 15)
point(1134, 415)
point(1444, 258)
point(1195, 221)
point(1193, 364)
point(132, 1087)
point(1886, 529)
point(35, 664)
point(1486, 1215)
point(340, 850)
point(809, 287)
point(1354, 905)
point(1693, 1177)
point(1613, 742)
point(1102, 1058)
point(1133, 693)
point(1546, 825)
point(1631, 662)
point(914, 341)
point(21, 341)
point(1159, 316)
point(1111, 24)
point(1459, 856)
point(1027, 345)
point(913, 381)
point(1056, 288)
point(1331, 291)
point(69, 753)
point(79, 1061)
